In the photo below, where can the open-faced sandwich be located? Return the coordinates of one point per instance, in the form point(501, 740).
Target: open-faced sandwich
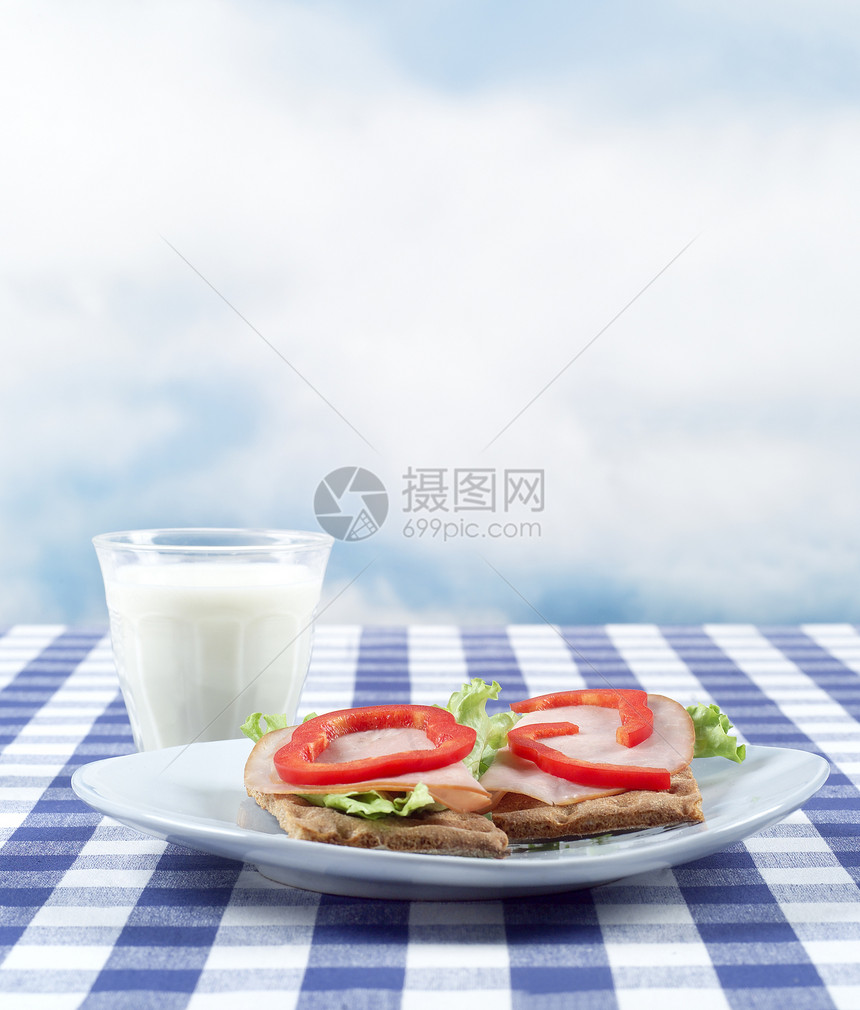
point(400, 777)
point(456, 781)
point(592, 762)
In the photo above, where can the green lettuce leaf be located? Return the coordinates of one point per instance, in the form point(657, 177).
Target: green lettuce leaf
point(253, 728)
point(469, 707)
point(712, 738)
point(374, 805)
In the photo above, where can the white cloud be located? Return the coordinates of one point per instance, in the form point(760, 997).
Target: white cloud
point(429, 262)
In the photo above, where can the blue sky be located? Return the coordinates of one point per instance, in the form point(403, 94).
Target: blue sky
point(634, 54)
point(252, 243)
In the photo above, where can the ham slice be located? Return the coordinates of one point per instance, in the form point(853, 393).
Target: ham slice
point(670, 746)
point(453, 785)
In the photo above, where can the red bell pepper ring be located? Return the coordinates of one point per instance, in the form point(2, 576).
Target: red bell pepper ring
point(637, 720)
point(525, 742)
point(297, 761)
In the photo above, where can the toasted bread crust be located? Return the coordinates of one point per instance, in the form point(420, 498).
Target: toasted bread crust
point(517, 818)
point(441, 833)
point(526, 820)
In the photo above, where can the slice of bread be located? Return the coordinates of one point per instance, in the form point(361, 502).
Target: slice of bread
point(516, 818)
point(442, 833)
point(527, 820)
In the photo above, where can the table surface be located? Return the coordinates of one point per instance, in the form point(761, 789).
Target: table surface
point(94, 914)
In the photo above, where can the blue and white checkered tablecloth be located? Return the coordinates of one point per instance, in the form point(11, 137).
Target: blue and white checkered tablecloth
point(93, 914)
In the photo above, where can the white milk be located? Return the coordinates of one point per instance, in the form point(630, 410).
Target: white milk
point(199, 647)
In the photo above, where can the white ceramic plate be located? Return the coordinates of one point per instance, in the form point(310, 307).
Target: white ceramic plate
point(195, 797)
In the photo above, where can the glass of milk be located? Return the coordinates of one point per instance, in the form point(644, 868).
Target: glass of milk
point(209, 625)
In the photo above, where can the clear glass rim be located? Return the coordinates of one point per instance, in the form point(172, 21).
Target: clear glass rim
point(202, 540)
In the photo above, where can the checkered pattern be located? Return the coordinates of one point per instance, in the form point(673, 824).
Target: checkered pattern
point(95, 915)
